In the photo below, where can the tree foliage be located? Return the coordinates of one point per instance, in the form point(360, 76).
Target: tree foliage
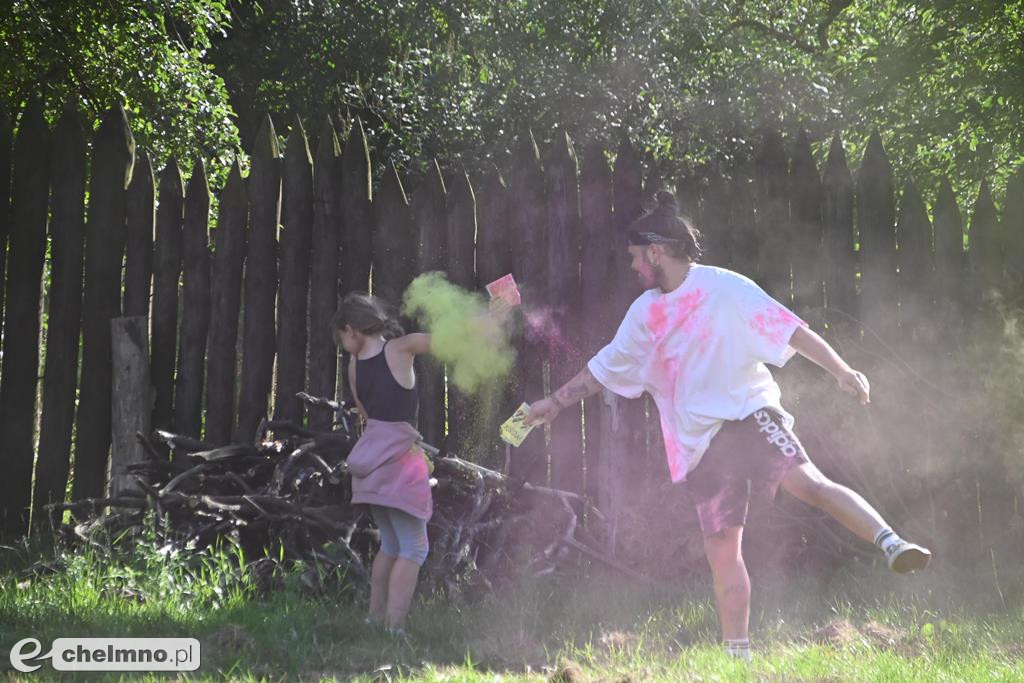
point(692, 81)
point(146, 54)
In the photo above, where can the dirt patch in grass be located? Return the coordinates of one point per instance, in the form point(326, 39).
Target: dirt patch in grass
point(230, 639)
point(617, 641)
point(570, 672)
point(508, 648)
point(842, 633)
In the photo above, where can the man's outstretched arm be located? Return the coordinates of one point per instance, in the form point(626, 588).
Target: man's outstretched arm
point(810, 345)
point(573, 391)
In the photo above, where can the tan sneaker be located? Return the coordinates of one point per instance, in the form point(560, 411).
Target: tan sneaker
point(905, 557)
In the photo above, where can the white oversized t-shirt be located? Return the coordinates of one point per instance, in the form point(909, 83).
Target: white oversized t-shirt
point(700, 351)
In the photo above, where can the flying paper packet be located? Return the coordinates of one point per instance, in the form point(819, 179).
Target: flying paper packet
point(505, 288)
point(514, 429)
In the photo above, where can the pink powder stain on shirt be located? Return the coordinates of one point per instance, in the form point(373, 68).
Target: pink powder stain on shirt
point(685, 308)
point(657, 320)
point(677, 456)
point(773, 322)
point(667, 316)
point(704, 339)
point(667, 375)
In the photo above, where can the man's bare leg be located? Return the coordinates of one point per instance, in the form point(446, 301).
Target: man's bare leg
point(807, 483)
point(732, 584)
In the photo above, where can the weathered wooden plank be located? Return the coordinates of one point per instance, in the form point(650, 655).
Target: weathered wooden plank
point(774, 230)
point(985, 255)
point(167, 252)
point(140, 223)
point(60, 376)
point(395, 243)
point(526, 210)
point(494, 259)
point(431, 221)
point(323, 278)
point(950, 261)
point(600, 245)
point(837, 235)
point(564, 301)
point(132, 395)
point(743, 242)
point(1013, 228)
point(113, 152)
point(462, 226)
point(225, 307)
point(916, 268)
point(195, 315)
point(260, 284)
point(631, 433)
point(688, 191)
point(357, 212)
point(626, 186)
point(6, 139)
point(805, 192)
point(714, 222)
point(876, 228)
point(30, 195)
point(296, 243)
point(461, 209)
point(654, 181)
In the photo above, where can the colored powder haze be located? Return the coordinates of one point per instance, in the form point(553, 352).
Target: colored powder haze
point(473, 344)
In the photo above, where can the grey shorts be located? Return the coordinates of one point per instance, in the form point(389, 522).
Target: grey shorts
point(401, 534)
point(746, 459)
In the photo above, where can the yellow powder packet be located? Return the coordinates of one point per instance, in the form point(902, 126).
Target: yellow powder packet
point(514, 430)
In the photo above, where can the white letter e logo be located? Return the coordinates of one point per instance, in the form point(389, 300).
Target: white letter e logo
point(18, 658)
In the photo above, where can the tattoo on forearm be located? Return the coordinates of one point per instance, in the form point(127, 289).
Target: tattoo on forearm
point(577, 389)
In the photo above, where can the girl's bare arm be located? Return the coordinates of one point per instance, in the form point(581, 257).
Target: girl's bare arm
point(413, 344)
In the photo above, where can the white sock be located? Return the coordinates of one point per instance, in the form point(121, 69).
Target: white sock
point(885, 537)
point(739, 648)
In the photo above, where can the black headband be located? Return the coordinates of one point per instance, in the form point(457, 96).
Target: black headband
point(642, 239)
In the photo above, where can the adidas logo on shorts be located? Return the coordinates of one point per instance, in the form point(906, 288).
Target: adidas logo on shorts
point(774, 434)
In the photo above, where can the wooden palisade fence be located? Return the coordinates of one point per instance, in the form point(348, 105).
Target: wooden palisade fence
point(305, 228)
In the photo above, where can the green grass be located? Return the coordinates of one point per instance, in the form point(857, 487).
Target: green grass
point(864, 626)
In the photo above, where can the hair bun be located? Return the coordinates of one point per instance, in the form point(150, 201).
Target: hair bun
point(665, 200)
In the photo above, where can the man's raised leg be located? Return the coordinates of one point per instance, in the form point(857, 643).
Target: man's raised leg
point(807, 483)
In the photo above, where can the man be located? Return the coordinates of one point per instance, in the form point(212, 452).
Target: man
point(698, 340)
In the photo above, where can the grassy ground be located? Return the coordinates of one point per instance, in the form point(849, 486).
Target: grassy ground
point(864, 626)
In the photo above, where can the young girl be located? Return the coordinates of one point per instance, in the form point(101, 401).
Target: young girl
point(389, 470)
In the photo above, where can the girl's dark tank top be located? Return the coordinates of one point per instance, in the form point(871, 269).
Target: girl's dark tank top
point(380, 393)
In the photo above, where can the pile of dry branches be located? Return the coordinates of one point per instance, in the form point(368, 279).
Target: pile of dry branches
point(286, 498)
